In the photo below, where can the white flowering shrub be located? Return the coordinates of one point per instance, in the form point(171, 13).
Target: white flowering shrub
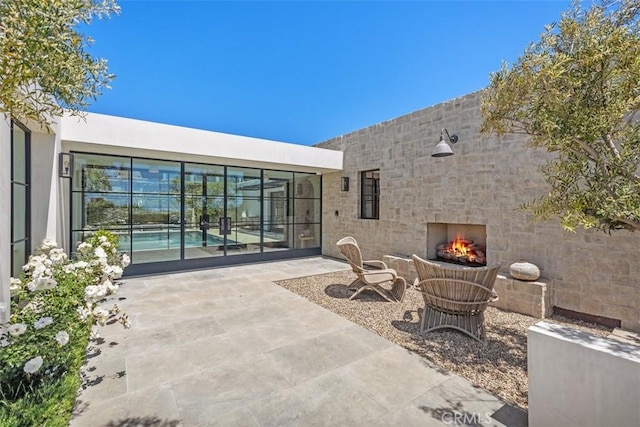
point(56, 306)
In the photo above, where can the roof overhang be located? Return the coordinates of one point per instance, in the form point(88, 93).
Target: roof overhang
point(99, 133)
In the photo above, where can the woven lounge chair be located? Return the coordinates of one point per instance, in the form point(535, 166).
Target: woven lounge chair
point(455, 297)
point(370, 279)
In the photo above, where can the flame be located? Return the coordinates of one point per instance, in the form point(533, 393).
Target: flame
point(460, 248)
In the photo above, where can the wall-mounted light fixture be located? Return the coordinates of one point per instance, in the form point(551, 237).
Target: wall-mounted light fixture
point(344, 184)
point(65, 165)
point(442, 149)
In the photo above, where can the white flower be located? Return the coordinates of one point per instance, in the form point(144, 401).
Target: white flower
point(83, 312)
point(42, 284)
point(114, 271)
point(102, 239)
point(62, 337)
point(58, 256)
point(17, 329)
point(15, 286)
point(42, 322)
point(95, 333)
point(101, 315)
point(125, 260)
point(94, 293)
point(33, 365)
point(48, 244)
point(84, 246)
point(4, 342)
point(101, 255)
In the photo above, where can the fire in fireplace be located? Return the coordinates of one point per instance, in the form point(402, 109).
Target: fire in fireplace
point(462, 251)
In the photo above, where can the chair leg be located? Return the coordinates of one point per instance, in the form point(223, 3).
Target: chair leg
point(398, 289)
point(355, 284)
point(473, 326)
point(376, 288)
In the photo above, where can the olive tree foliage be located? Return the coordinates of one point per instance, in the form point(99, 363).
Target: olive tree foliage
point(576, 93)
point(44, 64)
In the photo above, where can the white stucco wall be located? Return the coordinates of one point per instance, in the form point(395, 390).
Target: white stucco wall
point(100, 133)
point(45, 198)
point(579, 379)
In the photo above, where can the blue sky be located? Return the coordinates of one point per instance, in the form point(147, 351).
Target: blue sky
point(304, 71)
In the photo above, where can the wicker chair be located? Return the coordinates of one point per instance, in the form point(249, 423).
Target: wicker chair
point(455, 297)
point(368, 278)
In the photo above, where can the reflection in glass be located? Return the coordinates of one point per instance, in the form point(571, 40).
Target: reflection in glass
point(19, 212)
point(243, 206)
point(155, 210)
point(164, 210)
point(19, 255)
point(203, 208)
point(277, 203)
point(19, 153)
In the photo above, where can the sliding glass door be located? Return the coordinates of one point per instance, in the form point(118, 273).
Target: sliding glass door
point(203, 211)
point(171, 215)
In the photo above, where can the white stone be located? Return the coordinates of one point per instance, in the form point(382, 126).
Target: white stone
point(523, 270)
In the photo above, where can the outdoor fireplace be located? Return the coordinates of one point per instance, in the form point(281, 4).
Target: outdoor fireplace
point(464, 244)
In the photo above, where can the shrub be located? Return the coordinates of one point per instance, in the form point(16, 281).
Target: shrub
point(56, 306)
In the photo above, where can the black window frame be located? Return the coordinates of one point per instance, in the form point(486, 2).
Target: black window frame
point(27, 186)
point(370, 194)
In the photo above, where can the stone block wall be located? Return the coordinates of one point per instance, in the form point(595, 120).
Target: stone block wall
point(484, 183)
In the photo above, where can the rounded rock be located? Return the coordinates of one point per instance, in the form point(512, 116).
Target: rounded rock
point(523, 270)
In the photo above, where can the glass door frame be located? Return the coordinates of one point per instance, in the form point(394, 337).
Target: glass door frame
point(183, 263)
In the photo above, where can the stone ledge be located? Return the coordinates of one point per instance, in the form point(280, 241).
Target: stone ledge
point(530, 298)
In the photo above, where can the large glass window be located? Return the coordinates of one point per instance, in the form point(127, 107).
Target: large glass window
point(171, 211)
point(278, 190)
point(20, 197)
point(204, 210)
point(370, 194)
point(243, 222)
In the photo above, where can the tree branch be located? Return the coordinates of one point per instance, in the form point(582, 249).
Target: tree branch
point(612, 146)
point(632, 225)
point(593, 154)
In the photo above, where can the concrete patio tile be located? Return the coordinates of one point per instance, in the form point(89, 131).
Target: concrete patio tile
point(313, 357)
point(393, 377)
point(457, 395)
point(195, 329)
point(411, 416)
point(149, 369)
point(229, 347)
point(150, 407)
point(118, 341)
point(211, 352)
point(247, 317)
point(103, 379)
point(329, 400)
point(237, 418)
point(209, 394)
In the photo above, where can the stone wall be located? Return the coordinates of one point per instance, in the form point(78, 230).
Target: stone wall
point(485, 182)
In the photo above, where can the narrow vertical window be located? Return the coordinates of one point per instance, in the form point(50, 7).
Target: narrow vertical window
point(370, 194)
point(20, 197)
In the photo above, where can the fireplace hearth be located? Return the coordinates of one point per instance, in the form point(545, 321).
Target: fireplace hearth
point(464, 244)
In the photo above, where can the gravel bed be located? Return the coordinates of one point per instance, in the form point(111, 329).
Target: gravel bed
point(499, 367)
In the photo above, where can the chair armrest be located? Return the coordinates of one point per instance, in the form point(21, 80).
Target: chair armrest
point(378, 264)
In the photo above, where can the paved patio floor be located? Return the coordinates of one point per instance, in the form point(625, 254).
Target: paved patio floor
point(227, 346)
